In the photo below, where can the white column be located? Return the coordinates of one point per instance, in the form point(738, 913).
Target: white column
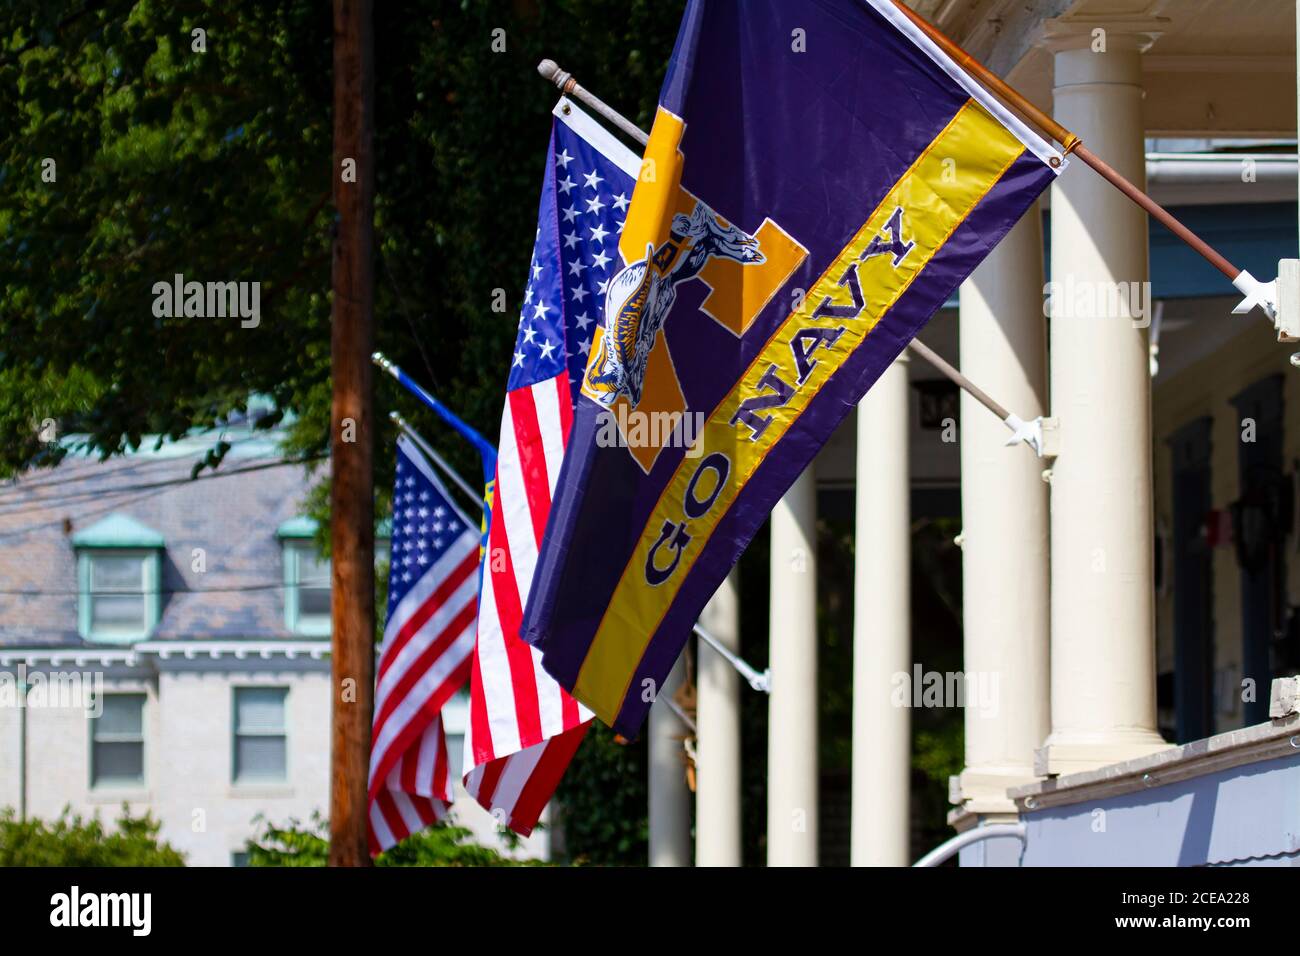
point(670, 798)
point(882, 637)
point(792, 708)
point(1005, 561)
point(1102, 617)
point(717, 734)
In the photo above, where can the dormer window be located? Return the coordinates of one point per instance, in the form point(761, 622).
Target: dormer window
point(306, 579)
point(118, 579)
point(307, 575)
point(119, 591)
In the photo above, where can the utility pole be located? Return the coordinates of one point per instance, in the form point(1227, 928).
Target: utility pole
point(352, 524)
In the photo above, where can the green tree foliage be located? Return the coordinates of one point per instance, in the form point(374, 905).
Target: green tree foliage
point(602, 801)
point(218, 165)
point(165, 160)
point(938, 733)
point(297, 844)
point(73, 841)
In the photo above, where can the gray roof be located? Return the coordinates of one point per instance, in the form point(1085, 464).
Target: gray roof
point(233, 518)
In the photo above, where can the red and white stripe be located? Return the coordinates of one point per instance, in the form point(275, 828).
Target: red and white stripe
point(523, 727)
point(424, 660)
point(415, 794)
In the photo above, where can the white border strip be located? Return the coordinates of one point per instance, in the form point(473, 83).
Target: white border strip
point(1035, 143)
point(601, 139)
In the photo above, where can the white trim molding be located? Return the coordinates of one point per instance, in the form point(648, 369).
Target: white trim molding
point(172, 653)
point(58, 656)
point(239, 650)
point(250, 656)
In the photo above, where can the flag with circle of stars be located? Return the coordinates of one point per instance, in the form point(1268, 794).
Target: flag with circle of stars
point(585, 198)
point(426, 526)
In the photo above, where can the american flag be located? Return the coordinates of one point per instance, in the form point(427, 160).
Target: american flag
point(523, 728)
point(425, 656)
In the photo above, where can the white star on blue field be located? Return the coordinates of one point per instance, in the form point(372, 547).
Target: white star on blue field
point(581, 216)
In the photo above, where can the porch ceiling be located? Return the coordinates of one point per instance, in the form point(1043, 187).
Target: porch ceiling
point(1215, 69)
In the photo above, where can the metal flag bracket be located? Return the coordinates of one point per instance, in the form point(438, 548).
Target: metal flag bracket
point(1030, 432)
point(1262, 294)
point(1286, 290)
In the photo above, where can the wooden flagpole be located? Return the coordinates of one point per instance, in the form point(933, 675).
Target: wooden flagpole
point(1070, 143)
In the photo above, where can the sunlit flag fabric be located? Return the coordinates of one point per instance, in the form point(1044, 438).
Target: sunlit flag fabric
point(809, 213)
point(425, 656)
point(523, 728)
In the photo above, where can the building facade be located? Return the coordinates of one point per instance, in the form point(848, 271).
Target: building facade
point(172, 640)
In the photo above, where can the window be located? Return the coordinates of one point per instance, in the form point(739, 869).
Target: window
point(455, 721)
point(118, 583)
point(261, 742)
point(313, 588)
point(456, 753)
point(117, 741)
point(307, 575)
point(118, 579)
point(306, 586)
point(940, 402)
